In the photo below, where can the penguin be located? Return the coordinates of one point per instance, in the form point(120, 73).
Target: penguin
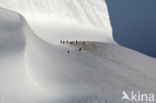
point(80, 49)
point(68, 51)
point(60, 41)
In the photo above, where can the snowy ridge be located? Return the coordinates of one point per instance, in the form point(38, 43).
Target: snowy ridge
point(84, 11)
point(54, 70)
point(34, 68)
point(78, 12)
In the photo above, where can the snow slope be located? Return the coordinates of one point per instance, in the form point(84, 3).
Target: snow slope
point(88, 11)
point(64, 14)
point(35, 67)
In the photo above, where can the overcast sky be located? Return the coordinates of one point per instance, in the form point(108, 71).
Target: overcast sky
point(134, 24)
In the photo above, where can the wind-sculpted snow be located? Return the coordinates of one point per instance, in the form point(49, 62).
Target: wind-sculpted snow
point(36, 68)
point(84, 12)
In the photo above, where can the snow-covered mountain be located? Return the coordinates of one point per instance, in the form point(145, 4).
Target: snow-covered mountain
point(36, 67)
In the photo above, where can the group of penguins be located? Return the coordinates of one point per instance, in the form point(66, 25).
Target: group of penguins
point(74, 43)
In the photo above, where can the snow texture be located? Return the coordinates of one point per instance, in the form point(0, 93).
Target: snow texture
point(36, 68)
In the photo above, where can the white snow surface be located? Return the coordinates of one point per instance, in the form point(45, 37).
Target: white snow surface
point(36, 68)
point(63, 14)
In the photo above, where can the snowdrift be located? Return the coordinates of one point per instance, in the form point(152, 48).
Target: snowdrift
point(35, 67)
point(45, 18)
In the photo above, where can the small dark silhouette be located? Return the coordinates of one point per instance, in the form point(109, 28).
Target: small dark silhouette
point(80, 49)
point(68, 51)
point(76, 41)
point(61, 41)
point(83, 43)
point(71, 42)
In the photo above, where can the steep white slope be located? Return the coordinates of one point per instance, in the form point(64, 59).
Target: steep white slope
point(14, 82)
point(37, 68)
point(100, 70)
point(85, 11)
point(58, 13)
point(45, 72)
point(10, 29)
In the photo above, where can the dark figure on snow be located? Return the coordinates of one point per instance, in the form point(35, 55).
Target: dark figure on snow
point(71, 42)
point(68, 51)
point(83, 43)
point(61, 41)
point(76, 41)
point(80, 49)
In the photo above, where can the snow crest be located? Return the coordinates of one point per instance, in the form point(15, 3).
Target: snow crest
point(85, 12)
point(36, 68)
